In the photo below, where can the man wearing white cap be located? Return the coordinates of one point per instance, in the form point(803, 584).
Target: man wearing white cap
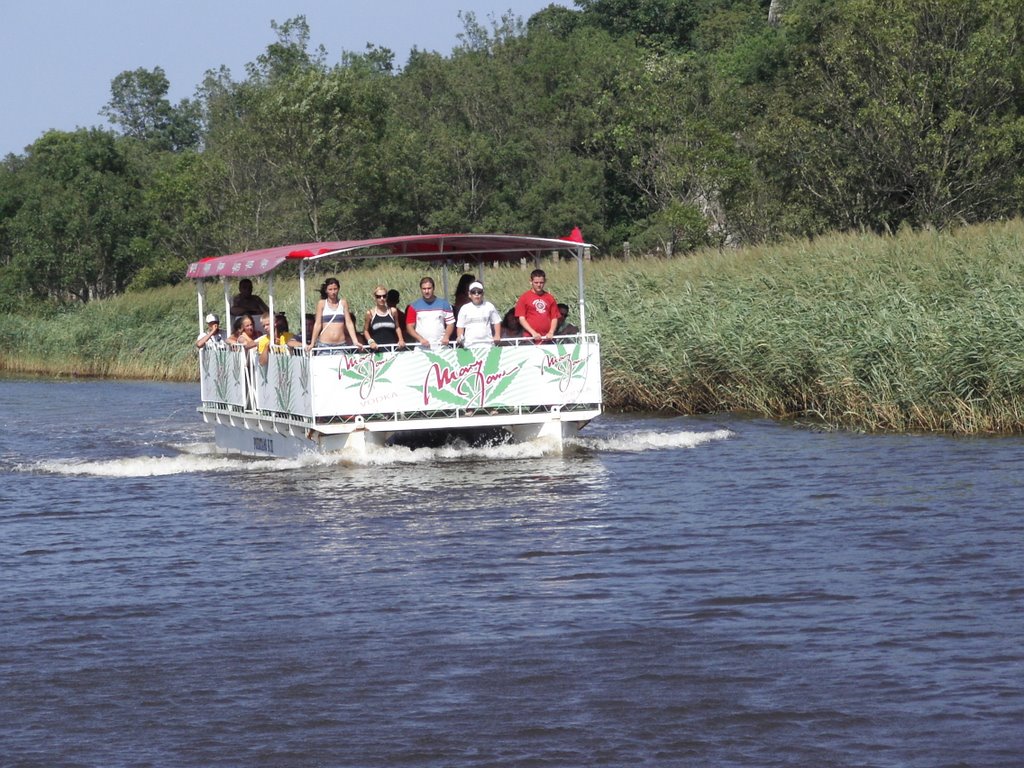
point(479, 323)
point(214, 336)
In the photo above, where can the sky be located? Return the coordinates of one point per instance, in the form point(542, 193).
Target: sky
point(58, 57)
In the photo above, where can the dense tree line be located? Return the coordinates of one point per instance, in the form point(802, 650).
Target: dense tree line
point(668, 124)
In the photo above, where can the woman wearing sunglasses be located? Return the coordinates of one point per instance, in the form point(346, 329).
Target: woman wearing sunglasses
point(381, 326)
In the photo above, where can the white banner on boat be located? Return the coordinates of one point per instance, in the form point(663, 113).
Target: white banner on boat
point(417, 381)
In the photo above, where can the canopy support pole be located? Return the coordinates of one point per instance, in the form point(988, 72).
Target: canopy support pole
point(199, 296)
point(227, 306)
point(302, 300)
point(579, 290)
point(272, 330)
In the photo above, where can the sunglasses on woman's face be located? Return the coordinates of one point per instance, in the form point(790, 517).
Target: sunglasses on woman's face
point(380, 296)
point(476, 293)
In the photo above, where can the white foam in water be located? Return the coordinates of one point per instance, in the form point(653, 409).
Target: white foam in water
point(203, 457)
point(398, 454)
point(139, 466)
point(636, 442)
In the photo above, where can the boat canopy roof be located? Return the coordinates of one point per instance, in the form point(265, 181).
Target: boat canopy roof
point(421, 247)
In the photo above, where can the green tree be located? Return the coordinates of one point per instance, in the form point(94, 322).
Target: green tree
point(323, 132)
point(77, 234)
point(665, 25)
point(682, 163)
point(501, 135)
point(181, 199)
point(907, 111)
point(139, 107)
point(296, 144)
point(289, 54)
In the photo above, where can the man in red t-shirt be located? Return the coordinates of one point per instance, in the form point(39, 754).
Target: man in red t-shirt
point(537, 309)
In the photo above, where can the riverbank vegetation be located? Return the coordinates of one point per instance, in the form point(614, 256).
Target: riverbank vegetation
point(707, 148)
point(670, 125)
point(912, 331)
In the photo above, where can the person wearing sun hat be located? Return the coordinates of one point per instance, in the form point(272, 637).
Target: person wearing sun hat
point(479, 323)
point(214, 336)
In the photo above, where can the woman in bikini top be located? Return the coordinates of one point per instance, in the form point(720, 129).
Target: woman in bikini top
point(333, 325)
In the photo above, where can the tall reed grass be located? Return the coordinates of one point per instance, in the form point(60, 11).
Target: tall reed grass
point(919, 331)
point(912, 332)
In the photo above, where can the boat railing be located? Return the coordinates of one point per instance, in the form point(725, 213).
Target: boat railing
point(510, 341)
point(338, 385)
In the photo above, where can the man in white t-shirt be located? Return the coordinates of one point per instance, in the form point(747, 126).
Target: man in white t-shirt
point(479, 323)
point(214, 337)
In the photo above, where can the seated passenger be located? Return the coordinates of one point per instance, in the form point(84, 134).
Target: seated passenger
point(394, 299)
point(462, 293)
point(565, 328)
point(244, 332)
point(284, 336)
point(245, 302)
point(214, 337)
point(510, 328)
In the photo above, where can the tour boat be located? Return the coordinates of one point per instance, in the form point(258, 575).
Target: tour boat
point(341, 400)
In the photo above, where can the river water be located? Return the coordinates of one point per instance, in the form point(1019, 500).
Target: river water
point(677, 592)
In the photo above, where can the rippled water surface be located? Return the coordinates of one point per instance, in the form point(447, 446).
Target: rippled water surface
point(719, 592)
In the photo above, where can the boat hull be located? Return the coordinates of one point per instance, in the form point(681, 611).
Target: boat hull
point(256, 435)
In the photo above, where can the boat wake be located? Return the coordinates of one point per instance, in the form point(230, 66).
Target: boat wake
point(203, 457)
point(457, 450)
point(637, 442)
point(140, 466)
